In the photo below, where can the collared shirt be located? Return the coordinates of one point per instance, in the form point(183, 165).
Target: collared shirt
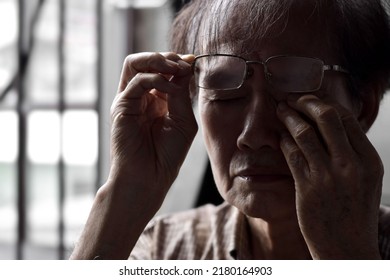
point(213, 233)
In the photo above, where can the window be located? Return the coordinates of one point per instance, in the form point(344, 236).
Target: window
point(8, 126)
point(49, 119)
point(54, 119)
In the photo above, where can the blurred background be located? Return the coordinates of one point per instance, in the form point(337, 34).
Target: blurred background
point(60, 62)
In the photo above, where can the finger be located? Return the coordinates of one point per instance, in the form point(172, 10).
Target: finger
point(184, 63)
point(356, 135)
point(328, 121)
point(170, 86)
point(304, 135)
point(146, 62)
point(294, 158)
point(143, 83)
point(175, 92)
point(189, 58)
point(179, 102)
point(140, 91)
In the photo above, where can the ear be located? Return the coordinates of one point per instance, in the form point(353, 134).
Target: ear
point(369, 108)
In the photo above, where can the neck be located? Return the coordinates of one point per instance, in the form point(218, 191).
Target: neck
point(277, 240)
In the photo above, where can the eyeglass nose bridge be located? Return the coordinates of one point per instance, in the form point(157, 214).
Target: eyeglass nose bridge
point(267, 74)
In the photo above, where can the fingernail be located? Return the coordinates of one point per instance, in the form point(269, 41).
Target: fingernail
point(187, 57)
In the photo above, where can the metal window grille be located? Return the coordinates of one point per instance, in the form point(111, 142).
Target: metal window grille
point(28, 17)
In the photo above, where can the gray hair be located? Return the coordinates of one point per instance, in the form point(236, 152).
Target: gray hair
point(357, 32)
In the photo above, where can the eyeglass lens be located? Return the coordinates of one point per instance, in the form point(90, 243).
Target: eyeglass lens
point(220, 72)
point(295, 74)
point(285, 73)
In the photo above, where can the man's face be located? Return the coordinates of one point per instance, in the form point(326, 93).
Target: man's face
point(242, 133)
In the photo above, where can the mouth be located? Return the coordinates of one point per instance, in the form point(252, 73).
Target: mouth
point(263, 176)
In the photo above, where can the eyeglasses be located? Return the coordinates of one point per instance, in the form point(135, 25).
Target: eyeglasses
point(283, 72)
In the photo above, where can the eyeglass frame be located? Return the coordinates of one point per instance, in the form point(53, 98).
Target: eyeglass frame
point(267, 74)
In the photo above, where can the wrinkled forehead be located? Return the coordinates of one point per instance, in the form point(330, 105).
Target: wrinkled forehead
point(243, 27)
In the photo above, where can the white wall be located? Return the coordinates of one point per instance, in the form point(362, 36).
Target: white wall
point(380, 137)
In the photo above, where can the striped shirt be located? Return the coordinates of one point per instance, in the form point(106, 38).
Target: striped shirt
point(213, 233)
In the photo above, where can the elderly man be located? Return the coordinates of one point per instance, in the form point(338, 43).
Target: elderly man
point(286, 91)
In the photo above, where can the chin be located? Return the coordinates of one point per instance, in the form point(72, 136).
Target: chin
point(266, 205)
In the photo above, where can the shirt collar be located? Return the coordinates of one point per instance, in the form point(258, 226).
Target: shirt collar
point(239, 248)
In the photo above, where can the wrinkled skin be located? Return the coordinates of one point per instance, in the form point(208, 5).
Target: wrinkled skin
point(153, 126)
point(281, 157)
point(298, 165)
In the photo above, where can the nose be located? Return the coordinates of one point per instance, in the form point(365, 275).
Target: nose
point(261, 127)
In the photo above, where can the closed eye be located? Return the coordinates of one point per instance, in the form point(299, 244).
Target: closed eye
point(218, 79)
point(224, 96)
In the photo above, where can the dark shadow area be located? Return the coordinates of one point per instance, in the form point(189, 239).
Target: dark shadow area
point(208, 190)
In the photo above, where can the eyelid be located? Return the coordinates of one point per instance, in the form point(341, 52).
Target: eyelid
point(225, 95)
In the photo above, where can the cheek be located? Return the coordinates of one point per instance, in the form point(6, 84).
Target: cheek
point(220, 135)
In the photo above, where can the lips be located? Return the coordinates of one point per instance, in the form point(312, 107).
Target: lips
point(265, 166)
point(265, 178)
point(262, 175)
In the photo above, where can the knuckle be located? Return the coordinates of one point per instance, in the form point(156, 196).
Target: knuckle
point(295, 159)
point(343, 162)
point(154, 58)
point(140, 80)
point(348, 117)
point(146, 80)
point(326, 113)
point(129, 60)
point(304, 132)
point(171, 55)
point(139, 77)
point(157, 80)
point(156, 55)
